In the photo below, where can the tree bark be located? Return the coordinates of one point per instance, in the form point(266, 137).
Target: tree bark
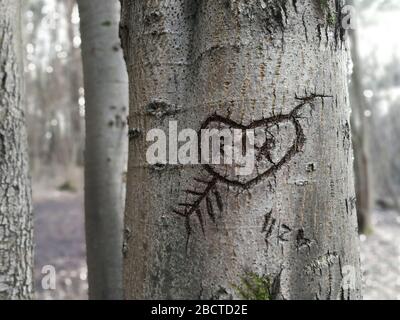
point(16, 249)
point(106, 92)
point(286, 232)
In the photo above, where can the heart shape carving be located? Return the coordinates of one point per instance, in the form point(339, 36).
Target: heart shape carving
point(277, 140)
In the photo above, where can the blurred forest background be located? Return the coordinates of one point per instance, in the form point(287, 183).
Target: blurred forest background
point(55, 116)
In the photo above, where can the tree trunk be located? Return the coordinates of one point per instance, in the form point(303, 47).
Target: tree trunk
point(360, 141)
point(106, 92)
point(288, 230)
point(74, 78)
point(16, 250)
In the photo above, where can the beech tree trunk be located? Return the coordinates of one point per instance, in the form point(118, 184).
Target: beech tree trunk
point(16, 249)
point(289, 230)
point(106, 93)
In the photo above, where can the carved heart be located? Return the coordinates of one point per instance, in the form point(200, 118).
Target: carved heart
point(277, 140)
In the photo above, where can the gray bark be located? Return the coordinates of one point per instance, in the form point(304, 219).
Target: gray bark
point(16, 256)
point(106, 92)
point(293, 230)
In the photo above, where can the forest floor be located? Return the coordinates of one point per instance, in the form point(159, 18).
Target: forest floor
point(380, 257)
point(60, 242)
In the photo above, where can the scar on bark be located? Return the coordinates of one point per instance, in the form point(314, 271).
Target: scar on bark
point(134, 133)
point(302, 241)
point(283, 233)
point(161, 109)
point(268, 227)
point(204, 197)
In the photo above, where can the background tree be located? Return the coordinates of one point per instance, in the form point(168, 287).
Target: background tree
point(15, 193)
point(289, 230)
point(55, 103)
point(360, 139)
point(378, 94)
point(106, 93)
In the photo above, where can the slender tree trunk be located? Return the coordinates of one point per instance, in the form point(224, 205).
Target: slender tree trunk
point(73, 76)
point(289, 230)
point(360, 141)
point(106, 92)
point(16, 256)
